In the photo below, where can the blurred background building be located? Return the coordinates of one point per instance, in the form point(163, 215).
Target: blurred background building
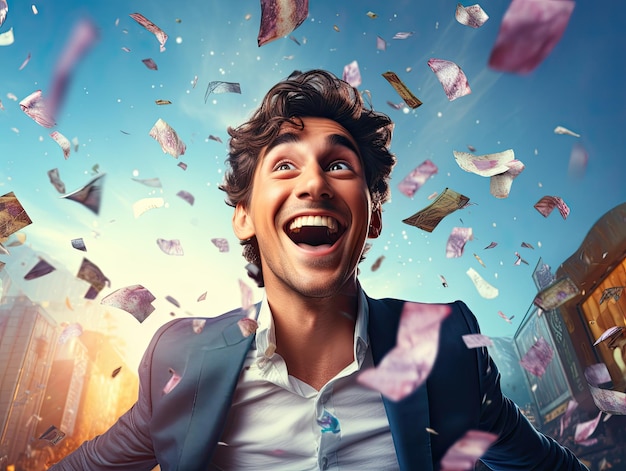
point(53, 374)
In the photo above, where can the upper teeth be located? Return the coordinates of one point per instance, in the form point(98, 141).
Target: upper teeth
point(324, 221)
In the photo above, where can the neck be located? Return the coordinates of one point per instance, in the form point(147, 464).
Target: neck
point(315, 336)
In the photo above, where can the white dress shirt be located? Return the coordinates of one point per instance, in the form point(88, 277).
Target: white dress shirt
point(277, 422)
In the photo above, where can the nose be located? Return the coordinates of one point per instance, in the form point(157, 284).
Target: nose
point(313, 184)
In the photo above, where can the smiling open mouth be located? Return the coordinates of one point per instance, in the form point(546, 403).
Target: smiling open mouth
point(314, 230)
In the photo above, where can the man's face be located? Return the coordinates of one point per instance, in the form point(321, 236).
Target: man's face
point(310, 209)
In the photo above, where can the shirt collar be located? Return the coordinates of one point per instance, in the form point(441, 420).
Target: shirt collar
point(266, 337)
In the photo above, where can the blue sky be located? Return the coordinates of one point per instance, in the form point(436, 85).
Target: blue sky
point(110, 108)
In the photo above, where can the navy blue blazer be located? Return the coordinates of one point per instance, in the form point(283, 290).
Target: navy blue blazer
point(180, 430)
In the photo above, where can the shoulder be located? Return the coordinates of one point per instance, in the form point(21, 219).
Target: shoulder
point(197, 325)
point(179, 337)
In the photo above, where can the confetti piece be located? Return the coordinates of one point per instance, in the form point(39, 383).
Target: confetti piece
point(607, 400)
point(505, 317)
point(7, 38)
point(146, 204)
point(451, 77)
point(480, 260)
point(446, 203)
point(247, 326)
point(352, 74)
point(456, 241)
point(255, 273)
point(79, 244)
point(4, 9)
point(537, 358)
point(221, 87)
point(89, 195)
point(13, 217)
point(377, 263)
point(150, 64)
point(381, 44)
point(526, 245)
point(411, 100)
point(529, 31)
point(610, 334)
point(150, 26)
point(280, 17)
point(135, 300)
point(151, 182)
point(52, 435)
point(473, 16)
point(443, 281)
point(328, 422)
point(477, 340)
point(614, 292)
point(83, 37)
point(202, 297)
point(418, 176)
point(116, 371)
point(486, 290)
point(221, 244)
point(90, 273)
point(491, 245)
point(556, 294)
point(198, 325)
point(26, 61)
point(165, 135)
point(215, 138)
point(402, 35)
point(64, 143)
point(170, 247)
point(547, 203)
point(172, 383)
point(465, 452)
point(55, 179)
point(186, 196)
point(163, 102)
point(519, 259)
point(562, 130)
point(409, 363)
point(42, 268)
point(577, 160)
point(371, 14)
point(36, 107)
point(172, 300)
point(500, 185)
point(584, 430)
point(70, 331)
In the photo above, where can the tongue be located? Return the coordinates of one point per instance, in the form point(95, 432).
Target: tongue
point(312, 236)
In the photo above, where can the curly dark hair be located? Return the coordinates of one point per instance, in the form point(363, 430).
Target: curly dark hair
point(316, 93)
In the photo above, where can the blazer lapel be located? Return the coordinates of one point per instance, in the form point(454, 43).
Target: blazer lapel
point(219, 372)
point(408, 418)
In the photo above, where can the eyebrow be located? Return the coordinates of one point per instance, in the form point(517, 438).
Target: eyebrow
point(331, 140)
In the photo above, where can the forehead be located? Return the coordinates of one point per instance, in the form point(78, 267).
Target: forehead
point(325, 130)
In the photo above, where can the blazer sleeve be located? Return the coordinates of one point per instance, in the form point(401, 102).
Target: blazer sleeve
point(127, 445)
point(519, 445)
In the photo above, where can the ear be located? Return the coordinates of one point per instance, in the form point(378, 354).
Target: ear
point(376, 223)
point(242, 223)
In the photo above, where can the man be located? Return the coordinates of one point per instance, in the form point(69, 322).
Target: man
point(308, 176)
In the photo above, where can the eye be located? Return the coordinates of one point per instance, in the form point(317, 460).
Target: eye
point(282, 166)
point(339, 165)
